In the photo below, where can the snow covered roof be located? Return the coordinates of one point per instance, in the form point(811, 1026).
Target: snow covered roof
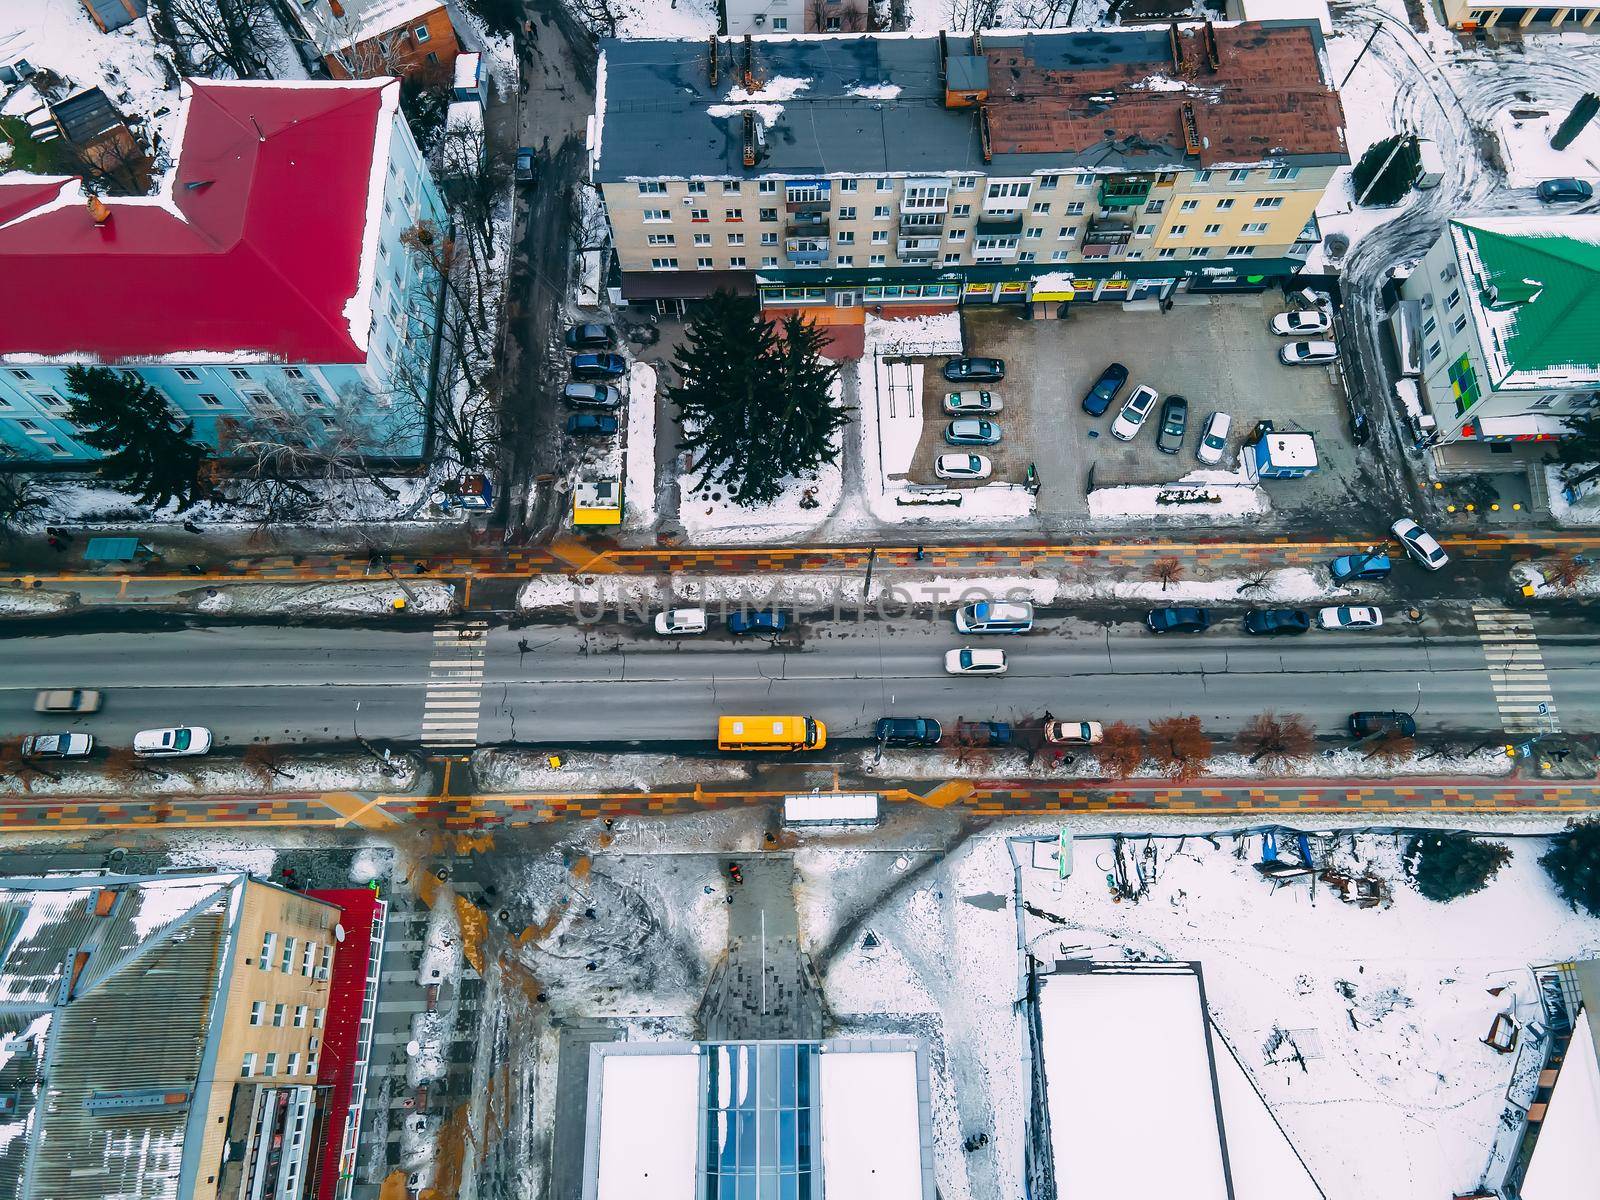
point(649, 1124)
point(262, 240)
point(359, 20)
point(1532, 285)
point(1106, 100)
point(1566, 1155)
point(871, 1134)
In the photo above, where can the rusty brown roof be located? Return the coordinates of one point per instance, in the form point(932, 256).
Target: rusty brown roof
point(1266, 98)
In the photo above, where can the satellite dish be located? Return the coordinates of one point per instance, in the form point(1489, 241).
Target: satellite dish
point(338, 933)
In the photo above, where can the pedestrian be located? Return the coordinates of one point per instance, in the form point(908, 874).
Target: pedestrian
point(610, 821)
point(59, 532)
point(921, 553)
point(522, 646)
point(591, 965)
point(1048, 716)
point(192, 527)
point(419, 568)
point(56, 544)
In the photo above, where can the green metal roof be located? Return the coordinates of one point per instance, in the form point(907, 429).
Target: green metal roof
point(1550, 285)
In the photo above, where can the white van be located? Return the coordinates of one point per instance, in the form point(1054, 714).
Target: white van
point(1432, 172)
point(995, 616)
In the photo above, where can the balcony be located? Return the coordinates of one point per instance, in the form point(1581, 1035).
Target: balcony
point(806, 250)
point(912, 223)
point(806, 196)
point(918, 249)
point(1124, 191)
point(925, 196)
point(1107, 231)
point(812, 224)
point(1001, 222)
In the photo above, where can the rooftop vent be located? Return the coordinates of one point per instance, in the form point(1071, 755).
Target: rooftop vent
point(1175, 47)
point(1213, 51)
point(1191, 131)
point(749, 138)
point(712, 64)
point(983, 133)
point(747, 76)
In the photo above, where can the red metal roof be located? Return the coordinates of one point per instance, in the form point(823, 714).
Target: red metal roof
point(258, 248)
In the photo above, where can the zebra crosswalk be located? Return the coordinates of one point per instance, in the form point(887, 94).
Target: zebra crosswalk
point(1516, 671)
point(455, 686)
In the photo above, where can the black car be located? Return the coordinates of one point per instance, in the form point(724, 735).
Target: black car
point(591, 337)
point(975, 370)
point(1553, 190)
point(599, 366)
point(1104, 392)
point(523, 170)
point(591, 425)
point(591, 395)
point(1365, 724)
point(908, 731)
point(1178, 620)
point(1273, 622)
point(1174, 423)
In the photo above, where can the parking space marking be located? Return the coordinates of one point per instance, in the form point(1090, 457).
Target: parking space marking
point(1516, 671)
point(454, 698)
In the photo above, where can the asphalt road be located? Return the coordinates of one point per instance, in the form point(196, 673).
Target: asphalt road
point(619, 684)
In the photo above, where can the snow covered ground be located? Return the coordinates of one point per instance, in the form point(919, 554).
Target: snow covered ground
point(641, 453)
point(1234, 496)
point(530, 771)
point(1524, 133)
point(35, 603)
point(176, 777)
point(343, 598)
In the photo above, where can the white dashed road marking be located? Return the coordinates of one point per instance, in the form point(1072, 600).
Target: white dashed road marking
point(455, 686)
point(1516, 671)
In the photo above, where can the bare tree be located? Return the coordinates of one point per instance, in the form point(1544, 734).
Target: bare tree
point(215, 37)
point(1391, 746)
point(1567, 569)
point(1167, 570)
point(19, 766)
point(1121, 749)
point(1275, 740)
point(266, 761)
point(598, 16)
point(969, 15)
point(25, 497)
point(1179, 746)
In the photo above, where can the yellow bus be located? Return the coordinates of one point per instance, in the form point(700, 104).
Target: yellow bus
point(771, 733)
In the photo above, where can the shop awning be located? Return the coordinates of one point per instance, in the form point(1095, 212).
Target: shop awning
point(1523, 425)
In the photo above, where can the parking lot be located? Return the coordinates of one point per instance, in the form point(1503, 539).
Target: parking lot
point(1216, 351)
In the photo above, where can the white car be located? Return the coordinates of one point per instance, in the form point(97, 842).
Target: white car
point(968, 661)
point(972, 404)
point(1214, 439)
point(680, 622)
point(179, 741)
point(57, 745)
point(963, 466)
point(1300, 324)
point(1360, 616)
point(1420, 544)
point(1131, 419)
point(1308, 354)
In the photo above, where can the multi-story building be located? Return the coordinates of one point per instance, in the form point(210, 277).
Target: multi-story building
point(363, 39)
point(1475, 14)
point(162, 1037)
point(1506, 309)
point(269, 275)
point(798, 16)
point(1108, 165)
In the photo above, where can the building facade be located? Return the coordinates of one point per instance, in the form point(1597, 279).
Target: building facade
point(1506, 308)
point(365, 39)
point(1475, 14)
point(285, 290)
point(114, 14)
point(867, 171)
point(164, 1035)
point(798, 16)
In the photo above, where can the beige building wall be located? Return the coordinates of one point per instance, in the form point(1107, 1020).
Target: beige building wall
point(1461, 13)
point(717, 225)
point(289, 1022)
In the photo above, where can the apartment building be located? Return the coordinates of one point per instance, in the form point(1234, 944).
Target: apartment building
point(268, 277)
point(364, 39)
point(162, 1037)
point(798, 16)
point(1505, 311)
point(1113, 165)
point(1475, 14)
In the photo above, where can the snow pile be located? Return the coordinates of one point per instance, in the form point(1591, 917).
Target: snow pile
point(1582, 509)
point(370, 863)
point(653, 19)
point(780, 87)
point(640, 510)
point(1226, 496)
point(914, 337)
point(215, 854)
point(15, 603)
point(807, 501)
point(874, 91)
point(1524, 134)
point(341, 598)
point(219, 777)
point(527, 771)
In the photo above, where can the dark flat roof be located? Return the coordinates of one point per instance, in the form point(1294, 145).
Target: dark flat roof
point(1111, 100)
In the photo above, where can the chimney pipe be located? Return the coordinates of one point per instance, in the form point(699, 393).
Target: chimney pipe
point(98, 210)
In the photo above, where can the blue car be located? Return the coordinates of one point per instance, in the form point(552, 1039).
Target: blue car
point(599, 366)
point(1178, 620)
point(1360, 566)
point(591, 425)
point(1103, 394)
point(764, 621)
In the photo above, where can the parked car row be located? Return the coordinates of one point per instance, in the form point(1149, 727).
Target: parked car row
point(916, 732)
point(1174, 422)
point(590, 386)
point(179, 741)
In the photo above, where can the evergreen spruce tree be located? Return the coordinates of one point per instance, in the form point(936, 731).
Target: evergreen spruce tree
point(1573, 862)
point(1445, 866)
point(755, 411)
point(146, 452)
point(1578, 451)
point(1398, 158)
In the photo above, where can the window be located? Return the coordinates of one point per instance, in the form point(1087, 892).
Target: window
point(1188, 206)
point(737, 262)
point(30, 426)
point(703, 264)
point(880, 213)
point(307, 957)
point(656, 215)
point(769, 239)
point(277, 1015)
point(1042, 208)
point(847, 185)
point(288, 955)
point(294, 1063)
point(845, 237)
point(270, 1065)
point(1434, 350)
point(1144, 230)
point(1200, 252)
point(1544, 402)
point(1048, 182)
point(1166, 252)
point(1178, 231)
point(1002, 191)
point(328, 422)
point(1238, 251)
point(1026, 256)
point(845, 260)
point(1058, 255)
point(1075, 208)
point(668, 239)
point(832, 24)
point(768, 214)
point(1085, 179)
point(876, 260)
point(316, 1018)
point(1135, 253)
point(1284, 173)
point(730, 187)
point(1253, 228)
point(769, 261)
point(312, 399)
point(1453, 299)
point(652, 187)
point(767, 187)
point(953, 257)
point(1202, 176)
point(1034, 233)
point(886, 184)
point(733, 214)
point(1269, 202)
point(736, 239)
point(1239, 176)
point(248, 1067)
point(663, 264)
point(880, 236)
point(961, 210)
point(15, 374)
point(311, 1064)
point(422, 33)
point(699, 214)
point(289, 373)
point(966, 183)
point(1459, 323)
point(1224, 205)
point(1429, 326)
point(48, 399)
point(958, 235)
point(780, 24)
point(189, 375)
point(209, 400)
point(700, 239)
point(269, 940)
point(238, 372)
point(697, 187)
point(1155, 206)
point(256, 1009)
